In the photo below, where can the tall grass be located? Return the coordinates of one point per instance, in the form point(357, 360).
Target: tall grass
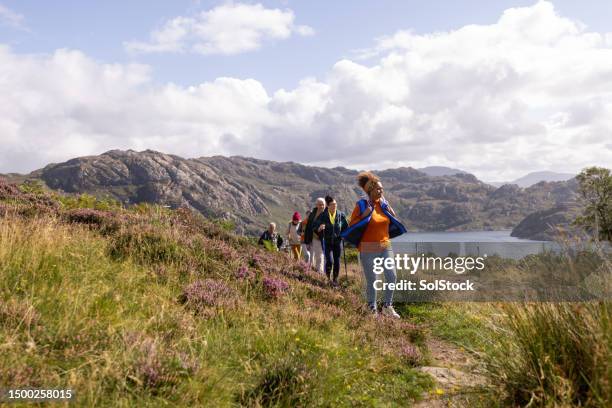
point(554, 354)
point(541, 353)
point(558, 353)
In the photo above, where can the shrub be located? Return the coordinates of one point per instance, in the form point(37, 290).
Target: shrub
point(9, 191)
point(304, 273)
point(227, 225)
point(101, 220)
point(267, 261)
point(208, 293)
point(154, 367)
point(303, 267)
point(256, 260)
point(146, 246)
point(410, 354)
point(223, 251)
point(32, 187)
point(243, 273)
point(89, 201)
point(35, 200)
point(274, 288)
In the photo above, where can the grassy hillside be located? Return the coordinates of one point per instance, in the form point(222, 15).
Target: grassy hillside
point(152, 307)
point(146, 306)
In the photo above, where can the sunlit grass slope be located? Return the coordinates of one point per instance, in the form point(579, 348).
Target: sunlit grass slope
point(154, 307)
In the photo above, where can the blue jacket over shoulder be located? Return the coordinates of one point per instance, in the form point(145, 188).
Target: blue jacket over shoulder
point(354, 233)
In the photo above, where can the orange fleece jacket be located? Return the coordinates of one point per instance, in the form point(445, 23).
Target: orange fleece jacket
point(377, 230)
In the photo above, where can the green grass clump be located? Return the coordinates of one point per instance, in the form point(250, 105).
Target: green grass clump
point(285, 382)
point(89, 201)
point(554, 354)
point(146, 247)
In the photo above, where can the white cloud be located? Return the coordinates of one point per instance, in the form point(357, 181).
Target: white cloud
point(66, 104)
point(11, 18)
point(532, 91)
point(227, 29)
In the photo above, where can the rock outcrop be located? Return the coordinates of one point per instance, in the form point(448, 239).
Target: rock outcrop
point(545, 225)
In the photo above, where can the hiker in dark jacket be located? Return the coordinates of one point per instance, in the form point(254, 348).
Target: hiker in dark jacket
point(330, 224)
point(312, 239)
point(272, 237)
point(302, 233)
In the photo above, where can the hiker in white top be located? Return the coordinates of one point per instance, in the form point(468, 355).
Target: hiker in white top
point(293, 236)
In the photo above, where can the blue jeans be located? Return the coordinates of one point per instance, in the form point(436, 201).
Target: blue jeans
point(332, 253)
point(367, 262)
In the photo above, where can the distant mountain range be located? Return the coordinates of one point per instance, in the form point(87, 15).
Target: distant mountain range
point(253, 192)
point(530, 179)
point(438, 171)
point(527, 180)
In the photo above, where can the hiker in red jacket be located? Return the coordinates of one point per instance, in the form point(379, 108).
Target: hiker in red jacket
point(293, 236)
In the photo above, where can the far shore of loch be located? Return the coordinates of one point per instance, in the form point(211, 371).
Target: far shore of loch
point(461, 236)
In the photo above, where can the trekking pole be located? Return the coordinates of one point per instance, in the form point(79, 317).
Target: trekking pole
point(324, 256)
point(344, 257)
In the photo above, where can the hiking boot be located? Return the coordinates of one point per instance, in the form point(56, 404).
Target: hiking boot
point(390, 311)
point(373, 311)
point(335, 283)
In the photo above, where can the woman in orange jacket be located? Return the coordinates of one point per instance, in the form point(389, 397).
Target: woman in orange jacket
point(372, 226)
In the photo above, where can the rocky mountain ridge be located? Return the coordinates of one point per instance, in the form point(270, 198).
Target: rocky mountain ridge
point(252, 192)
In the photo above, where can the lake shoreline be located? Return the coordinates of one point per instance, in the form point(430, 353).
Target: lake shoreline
point(462, 236)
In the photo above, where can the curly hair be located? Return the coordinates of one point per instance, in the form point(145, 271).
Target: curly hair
point(367, 180)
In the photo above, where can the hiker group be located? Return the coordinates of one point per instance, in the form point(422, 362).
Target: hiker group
point(315, 239)
point(320, 237)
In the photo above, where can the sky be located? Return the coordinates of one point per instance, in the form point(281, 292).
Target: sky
point(498, 88)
